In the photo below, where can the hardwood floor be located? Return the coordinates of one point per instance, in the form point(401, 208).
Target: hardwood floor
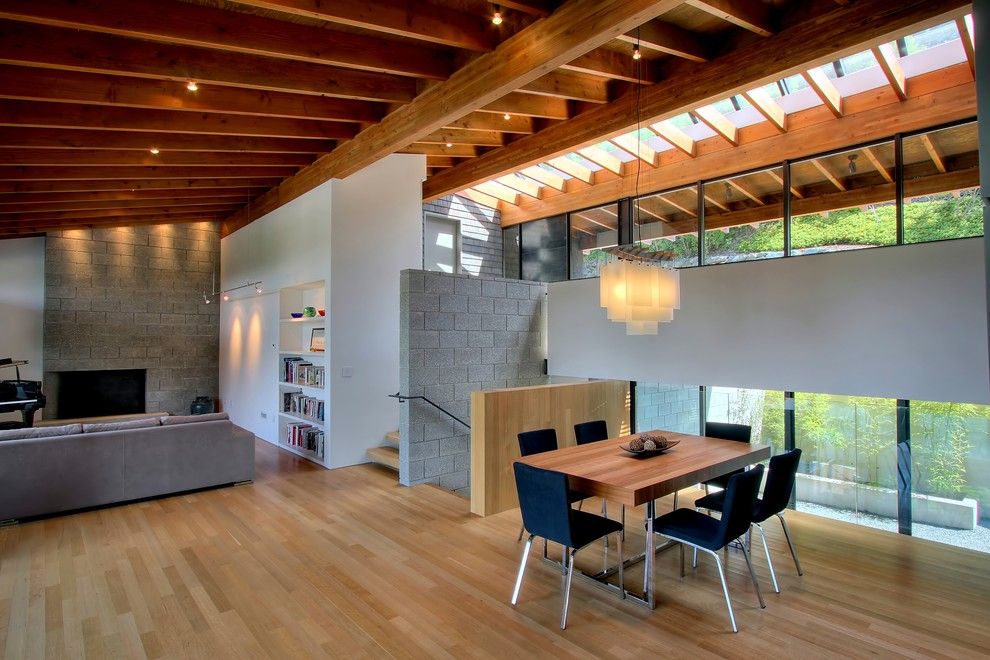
point(307, 562)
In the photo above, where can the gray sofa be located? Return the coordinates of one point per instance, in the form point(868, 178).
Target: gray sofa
point(44, 475)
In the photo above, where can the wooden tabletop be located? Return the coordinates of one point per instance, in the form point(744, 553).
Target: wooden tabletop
point(603, 469)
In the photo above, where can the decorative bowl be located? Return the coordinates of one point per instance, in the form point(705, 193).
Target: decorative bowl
point(309, 312)
point(662, 443)
point(321, 312)
point(296, 315)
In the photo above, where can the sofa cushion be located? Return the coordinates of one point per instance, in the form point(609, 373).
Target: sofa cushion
point(120, 426)
point(192, 419)
point(40, 432)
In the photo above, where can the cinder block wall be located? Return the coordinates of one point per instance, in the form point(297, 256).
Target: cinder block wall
point(671, 407)
point(481, 233)
point(132, 298)
point(459, 334)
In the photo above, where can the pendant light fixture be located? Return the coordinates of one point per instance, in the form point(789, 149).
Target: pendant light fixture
point(635, 288)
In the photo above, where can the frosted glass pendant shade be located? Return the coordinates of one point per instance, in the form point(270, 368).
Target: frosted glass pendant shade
point(641, 295)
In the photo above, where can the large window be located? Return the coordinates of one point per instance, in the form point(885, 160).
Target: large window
point(668, 222)
point(592, 230)
point(543, 250)
point(844, 201)
point(941, 185)
point(744, 217)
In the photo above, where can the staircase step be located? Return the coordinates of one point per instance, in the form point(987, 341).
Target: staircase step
point(387, 456)
point(392, 438)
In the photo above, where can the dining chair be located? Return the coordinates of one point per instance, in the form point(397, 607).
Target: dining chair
point(701, 532)
point(726, 431)
point(544, 499)
point(776, 495)
point(537, 442)
point(595, 431)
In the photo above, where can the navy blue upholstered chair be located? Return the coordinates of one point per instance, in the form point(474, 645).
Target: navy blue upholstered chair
point(701, 532)
point(546, 511)
point(776, 495)
point(588, 432)
point(726, 431)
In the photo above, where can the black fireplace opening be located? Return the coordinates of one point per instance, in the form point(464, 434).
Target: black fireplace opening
point(101, 392)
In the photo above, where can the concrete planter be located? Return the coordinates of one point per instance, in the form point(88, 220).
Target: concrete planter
point(926, 509)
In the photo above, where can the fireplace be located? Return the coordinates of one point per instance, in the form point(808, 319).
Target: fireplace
point(101, 392)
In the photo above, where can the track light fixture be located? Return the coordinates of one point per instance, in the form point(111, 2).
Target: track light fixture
point(225, 293)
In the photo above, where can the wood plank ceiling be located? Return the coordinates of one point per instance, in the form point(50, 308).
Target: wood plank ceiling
point(126, 112)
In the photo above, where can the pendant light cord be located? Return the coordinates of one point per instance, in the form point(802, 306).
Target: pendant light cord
point(639, 143)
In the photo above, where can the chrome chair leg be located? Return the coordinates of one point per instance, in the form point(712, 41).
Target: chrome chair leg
point(694, 560)
point(622, 560)
point(522, 569)
point(725, 591)
point(682, 558)
point(675, 500)
point(790, 543)
point(567, 590)
point(766, 549)
point(522, 528)
point(752, 574)
point(622, 514)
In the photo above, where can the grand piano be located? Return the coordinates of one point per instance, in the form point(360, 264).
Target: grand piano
point(17, 394)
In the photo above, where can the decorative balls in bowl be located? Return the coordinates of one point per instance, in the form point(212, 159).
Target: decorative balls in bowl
point(650, 442)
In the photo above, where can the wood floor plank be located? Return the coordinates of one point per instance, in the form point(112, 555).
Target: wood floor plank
point(307, 563)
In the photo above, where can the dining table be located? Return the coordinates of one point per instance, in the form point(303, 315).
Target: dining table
point(604, 469)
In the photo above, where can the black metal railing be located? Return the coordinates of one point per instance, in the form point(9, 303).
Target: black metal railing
point(403, 399)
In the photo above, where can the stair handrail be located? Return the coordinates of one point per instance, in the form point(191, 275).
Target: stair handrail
point(402, 399)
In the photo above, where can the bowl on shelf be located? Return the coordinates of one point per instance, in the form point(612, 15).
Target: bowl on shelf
point(322, 312)
point(296, 315)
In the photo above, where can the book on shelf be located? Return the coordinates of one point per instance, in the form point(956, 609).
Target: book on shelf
point(300, 372)
point(297, 403)
point(305, 436)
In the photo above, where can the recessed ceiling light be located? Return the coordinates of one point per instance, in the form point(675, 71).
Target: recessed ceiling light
point(192, 86)
point(154, 151)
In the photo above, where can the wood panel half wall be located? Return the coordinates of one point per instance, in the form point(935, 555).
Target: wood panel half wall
point(497, 416)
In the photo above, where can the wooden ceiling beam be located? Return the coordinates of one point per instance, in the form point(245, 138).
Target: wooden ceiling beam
point(752, 15)
point(825, 172)
point(71, 138)
point(809, 37)
point(133, 185)
point(795, 191)
point(481, 198)
point(538, 8)
point(676, 137)
point(890, 64)
point(487, 121)
point(61, 48)
point(749, 194)
point(573, 29)
point(668, 38)
point(602, 158)
point(768, 107)
point(933, 152)
point(68, 115)
point(57, 200)
point(949, 95)
point(55, 173)
point(544, 177)
point(825, 89)
point(714, 202)
point(420, 21)
point(679, 207)
point(718, 122)
point(110, 157)
point(499, 191)
point(96, 205)
point(611, 64)
point(570, 85)
point(170, 22)
point(34, 84)
point(877, 165)
point(528, 105)
point(464, 136)
point(632, 145)
point(521, 184)
point(16, 218)
point(572, 168)
point(458, 150)
point(35, 226)
point(964, 26)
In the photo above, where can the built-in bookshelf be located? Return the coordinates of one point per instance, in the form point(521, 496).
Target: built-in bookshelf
point(303, 386)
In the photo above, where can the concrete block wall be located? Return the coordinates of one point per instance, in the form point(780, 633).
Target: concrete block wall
point(670, 407)
point(132, 298)
point(481, 233)
point(458, 334)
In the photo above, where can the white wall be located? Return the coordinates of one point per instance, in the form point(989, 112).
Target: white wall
point(22, 306)
point(901, 322)
point(356, 234)
point(377, 232)
point(289, 246)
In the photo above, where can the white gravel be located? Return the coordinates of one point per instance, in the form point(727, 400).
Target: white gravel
point(972, 539)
